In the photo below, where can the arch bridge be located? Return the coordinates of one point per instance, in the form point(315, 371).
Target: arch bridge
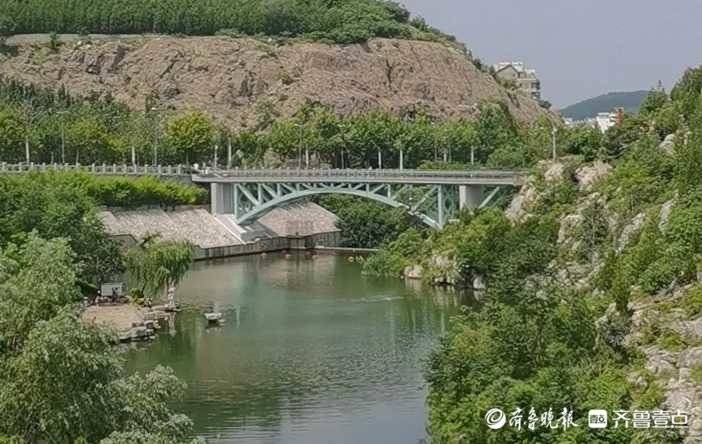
point(431, 195)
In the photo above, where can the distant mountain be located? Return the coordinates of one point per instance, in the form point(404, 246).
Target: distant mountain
point(630, 101)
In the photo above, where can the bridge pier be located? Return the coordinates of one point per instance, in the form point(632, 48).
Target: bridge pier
point(223, 198)
point(470, 196)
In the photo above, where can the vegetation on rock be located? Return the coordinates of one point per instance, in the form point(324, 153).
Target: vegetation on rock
point(554, 328)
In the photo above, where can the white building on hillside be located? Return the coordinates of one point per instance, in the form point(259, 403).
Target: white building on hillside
point(525, 78)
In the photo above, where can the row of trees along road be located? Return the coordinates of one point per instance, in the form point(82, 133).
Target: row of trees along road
point(47, 126)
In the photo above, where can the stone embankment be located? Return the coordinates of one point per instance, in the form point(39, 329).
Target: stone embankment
point(295, 226)
point(129, 321)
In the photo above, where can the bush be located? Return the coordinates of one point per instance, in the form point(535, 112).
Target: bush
point(399, 254)
point(54, 41)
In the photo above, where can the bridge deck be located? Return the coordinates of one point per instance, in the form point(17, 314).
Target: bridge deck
point(414, 177)
point(210, 175)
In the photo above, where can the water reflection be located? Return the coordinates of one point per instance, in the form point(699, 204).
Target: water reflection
point(310, 351)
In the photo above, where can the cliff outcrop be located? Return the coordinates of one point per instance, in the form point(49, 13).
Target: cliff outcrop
point(235, 79)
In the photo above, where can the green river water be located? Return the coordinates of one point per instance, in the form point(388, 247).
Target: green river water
point(310, 352)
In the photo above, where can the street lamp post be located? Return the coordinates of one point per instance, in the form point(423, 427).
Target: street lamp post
point(155, 128)
point(229, 152)
point(63, 137)
point(554, 131)
point(299, 146)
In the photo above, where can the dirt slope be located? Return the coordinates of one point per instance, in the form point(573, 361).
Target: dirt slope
point(230, 78)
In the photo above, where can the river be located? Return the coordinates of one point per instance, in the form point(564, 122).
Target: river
point(310, 352)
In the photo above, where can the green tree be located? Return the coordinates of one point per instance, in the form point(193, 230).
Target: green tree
point(61, 380)
point(191, 136)
point(687, 91)
point(584, 140)
point(653, 102)
point(44, 270)
point(158, 265)
point(12, 134)
point(89, 141)
point(56, 205)
point(7, 28)
point(367, 224)
point(496, 129)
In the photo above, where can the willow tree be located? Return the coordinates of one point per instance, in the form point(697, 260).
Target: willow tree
point(158, 265)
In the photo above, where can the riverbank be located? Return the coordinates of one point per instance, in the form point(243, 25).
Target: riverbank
point(130, 322)
point(298, 226)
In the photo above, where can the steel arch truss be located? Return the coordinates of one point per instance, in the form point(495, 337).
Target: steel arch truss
point(434, 205)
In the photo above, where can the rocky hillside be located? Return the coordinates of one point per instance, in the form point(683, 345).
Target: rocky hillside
point(233, 79)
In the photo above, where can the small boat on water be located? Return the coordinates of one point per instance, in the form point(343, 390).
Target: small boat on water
point(213, 317)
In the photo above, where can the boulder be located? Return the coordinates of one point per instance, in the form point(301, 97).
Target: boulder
point(668, 145)
point(413, 272)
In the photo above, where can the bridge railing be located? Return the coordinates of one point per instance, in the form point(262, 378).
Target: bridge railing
point(280, 173)
point(357, 173)
point(113, 169)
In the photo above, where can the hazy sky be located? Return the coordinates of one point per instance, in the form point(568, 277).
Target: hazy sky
point(580, 48)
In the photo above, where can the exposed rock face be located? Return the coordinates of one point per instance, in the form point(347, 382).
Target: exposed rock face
point(444, 270)
point(528, 196)
point(588, 175)
point(554, 171)
point(630, 231)
point(668, 145)
point(413, 272)
point(518, 209)
point(230, 78)
point(664, 214)
point(672, 368)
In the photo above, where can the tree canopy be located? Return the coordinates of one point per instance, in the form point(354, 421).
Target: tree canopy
point(60, 379)
point(338, 21)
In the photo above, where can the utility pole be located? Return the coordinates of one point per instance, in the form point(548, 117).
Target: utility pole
point(472, 155)
point(63, 138)
point(214, 159)
point(380, 160)
point(155, 128)
point(29, 116)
